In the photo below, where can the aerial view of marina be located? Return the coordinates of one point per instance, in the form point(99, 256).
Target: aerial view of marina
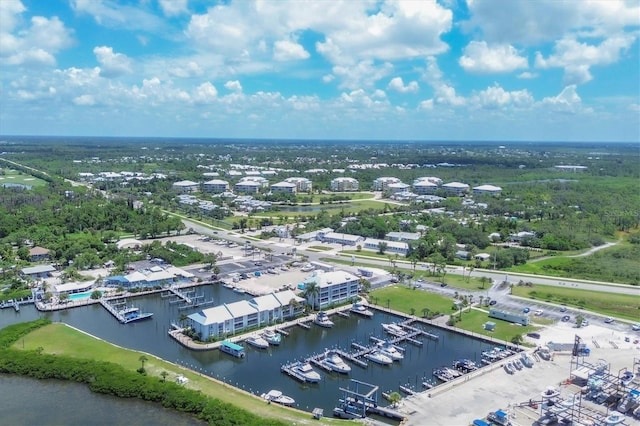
point(393, 212)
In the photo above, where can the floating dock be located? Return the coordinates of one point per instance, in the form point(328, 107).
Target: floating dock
point(125, 315)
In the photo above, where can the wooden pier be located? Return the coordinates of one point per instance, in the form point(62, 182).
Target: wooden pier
point(352, 358)
point(416, 331)
point(112, 310)
point(182, 295)
point(304, 325)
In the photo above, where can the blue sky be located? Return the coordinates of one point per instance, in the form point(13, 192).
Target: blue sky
point(549, 70)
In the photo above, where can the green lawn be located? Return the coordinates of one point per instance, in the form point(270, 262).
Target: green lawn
point(58, 338)
point(617, 305)
point(320, 248)
point(14, 176)
point(473, 320)
point(403, 299)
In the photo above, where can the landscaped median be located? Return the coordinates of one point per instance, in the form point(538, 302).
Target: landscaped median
point(41, 349)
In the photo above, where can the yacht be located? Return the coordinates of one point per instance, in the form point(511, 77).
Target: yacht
point(258, 342)
point(527, 361)
point(278, 397)
point(627, 378)
point(465, 365)
point(394, 329)
point(509, 368)
point(307, 372)
point(518, 364)
point(361, 309)
point(443, 374)
point(390, 350)
point(322, 319)
point(272, 337)
point(335, 363)
point(379, 358)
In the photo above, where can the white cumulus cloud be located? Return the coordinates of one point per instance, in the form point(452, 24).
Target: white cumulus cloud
point(286, 50)
point(233, 86)
point(84, 100)
point(173, 7)
point(112, 64)
point(205, 93)
point(495, 97)
point(480, 57)
point(396, 84)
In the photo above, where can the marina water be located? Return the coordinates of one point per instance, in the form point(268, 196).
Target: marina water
point(260, 370)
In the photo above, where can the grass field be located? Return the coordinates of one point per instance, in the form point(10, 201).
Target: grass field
point(10, 176)
point(618, 305)
point(61, 339)
point(404, 299)
point(473, 320)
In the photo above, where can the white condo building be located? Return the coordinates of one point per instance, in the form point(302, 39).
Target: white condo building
point(333, 287)
point(456, 188)
point(185, 186)
point(230, 318)
point(487, 189)
point(216, 186)
point(344, 184)
point(382, 183)
point(284, 187)
point(302, 184)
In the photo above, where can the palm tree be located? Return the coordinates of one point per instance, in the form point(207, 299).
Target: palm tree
point(143, 359)
point(395, 398)
point(483, 281)
point(425, 312)
point(311, 293)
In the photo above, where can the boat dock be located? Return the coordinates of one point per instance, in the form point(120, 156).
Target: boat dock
point(416, 331)
point(289, 369)
point(304, 325)
point(112, 310)
point(126, 314)
point(364, 402)
point(352, 358)
point(182, 295)
point(381, 341)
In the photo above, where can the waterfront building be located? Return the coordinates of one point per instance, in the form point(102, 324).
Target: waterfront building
point(39, 271)
point(231, 318)
point(150, 277)
point(334, 287)
point(344, 184)
point(73, 288)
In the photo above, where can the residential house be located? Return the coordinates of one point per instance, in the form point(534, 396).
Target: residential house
point(38, 272)
point(38, 254)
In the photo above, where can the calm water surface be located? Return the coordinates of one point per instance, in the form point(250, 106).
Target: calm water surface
point(260, 370)
point(51, 402)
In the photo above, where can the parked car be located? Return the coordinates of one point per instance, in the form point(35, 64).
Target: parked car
point(538, 312)
point(608, 320)
point(526, 310)
point(493, 302)
point(563, 309)
point(566, 318)
point(534, 335)
point(635, 327)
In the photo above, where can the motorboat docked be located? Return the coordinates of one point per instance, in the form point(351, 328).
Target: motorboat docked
point(333, 361)
point(239, 290)
point(229, 286)
point(307, 372)
point(258, 342)
point(390, 350)
point(322, 319)
point(379, 358)
point(272, 337)
point(518, 364)
point(394, 329)
point(278, 397)
point(544, 353)
point(133, 314)
point(499, 417)
point(443, 374)
point(361, 309)
point(465, 365)
point(232, 349)
point(630, 401)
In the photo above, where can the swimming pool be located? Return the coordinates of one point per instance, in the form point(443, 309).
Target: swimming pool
point(80, 296)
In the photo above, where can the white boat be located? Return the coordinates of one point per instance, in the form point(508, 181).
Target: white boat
point(394, 329)
point(307, 372)
point(272, 337)
point(527, 361)
point(390, 350)
point(518, 364)
point(228, 285)
point(322, 319)
point(361, 309)
point(239, 290)
point(258, 342)
point(379, 358)
point(509, 368)
point(278, 397)
point(551, 392)
point(337, 364)
point(627, 378)
point(614, 418)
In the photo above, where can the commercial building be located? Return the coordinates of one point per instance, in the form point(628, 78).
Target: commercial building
point(334, 288)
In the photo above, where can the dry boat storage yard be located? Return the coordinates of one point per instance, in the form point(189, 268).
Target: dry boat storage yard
point(482, 393)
